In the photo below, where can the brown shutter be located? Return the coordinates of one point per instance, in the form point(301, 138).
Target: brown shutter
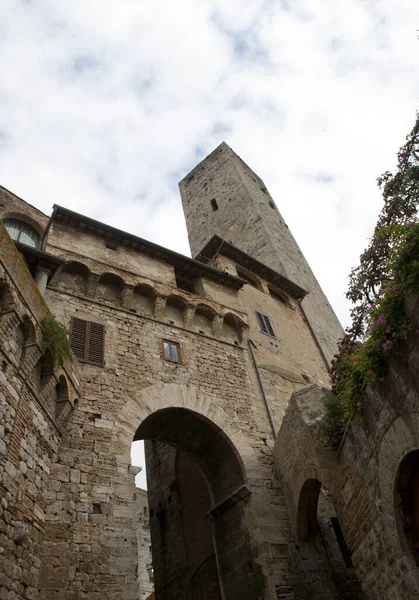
point(96, 344)
point(78, 332)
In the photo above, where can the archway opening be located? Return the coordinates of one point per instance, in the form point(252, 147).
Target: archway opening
point(407, 502)
point(322, 544)
point(197, 501)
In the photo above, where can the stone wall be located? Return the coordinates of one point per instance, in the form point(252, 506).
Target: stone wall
point(31, 423)
point(364, 478)
point(145, 562)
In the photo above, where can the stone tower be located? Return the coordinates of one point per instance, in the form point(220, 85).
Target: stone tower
point(223, 196)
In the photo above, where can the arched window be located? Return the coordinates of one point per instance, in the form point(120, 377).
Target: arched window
point(20, 231)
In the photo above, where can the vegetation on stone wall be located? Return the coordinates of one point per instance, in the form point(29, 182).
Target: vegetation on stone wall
point(388, 271)
point(55, 339)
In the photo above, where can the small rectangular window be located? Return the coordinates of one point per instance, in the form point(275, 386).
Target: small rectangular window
point(265, 324)
point(87, 341)
point(171, 351)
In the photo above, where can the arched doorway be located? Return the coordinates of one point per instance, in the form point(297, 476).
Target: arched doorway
point(198, 506)
point(407, 503)
point(324, 565)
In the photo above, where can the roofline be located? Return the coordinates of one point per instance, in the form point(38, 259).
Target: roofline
point(216, 245)
point(129, 239)
point(22, 200)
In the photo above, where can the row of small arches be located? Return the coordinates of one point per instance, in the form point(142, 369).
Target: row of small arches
point(143, 299)
point(39, 368)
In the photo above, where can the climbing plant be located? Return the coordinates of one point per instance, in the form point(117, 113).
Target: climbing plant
point(55, 339)
point(387, 272)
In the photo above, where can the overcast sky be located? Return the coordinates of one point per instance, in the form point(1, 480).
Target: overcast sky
point(105, 106)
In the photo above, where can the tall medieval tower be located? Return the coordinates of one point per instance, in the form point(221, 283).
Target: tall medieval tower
point(223, 196)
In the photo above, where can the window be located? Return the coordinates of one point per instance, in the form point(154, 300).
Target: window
point(265, 324)
point(87, 341)
point(183, 282)
point(171, 351)
point(214, 204)
point(22, 232)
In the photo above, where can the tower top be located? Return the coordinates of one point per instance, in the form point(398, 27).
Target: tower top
point(223, 196)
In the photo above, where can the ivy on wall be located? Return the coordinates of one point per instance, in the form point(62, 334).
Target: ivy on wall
point(388, 271)
point(55, 339)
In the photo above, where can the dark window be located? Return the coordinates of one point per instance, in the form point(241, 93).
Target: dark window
point(214, 204)
point(87, 341)
point(22, 232)
point(97, 509)
point(183, 282)
point(171, 351)
point(265, 324)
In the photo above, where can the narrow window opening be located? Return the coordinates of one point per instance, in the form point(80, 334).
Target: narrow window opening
point(183, 282)
point(265, 324)
point(214, 204)
point(346, 553)
point(96, 509)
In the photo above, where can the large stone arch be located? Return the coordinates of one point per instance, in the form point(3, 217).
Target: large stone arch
point(170, 395)
point(185, 419)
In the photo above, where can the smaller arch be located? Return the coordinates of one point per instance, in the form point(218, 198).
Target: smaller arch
point(24, 336)
point(20, 231)
point(144, 298)
point(60, 395)
point(73, 275)
point(110, 287)
point(233, 328)
point(175, 310)
point(279, 295)
point(249, 277)
point(307, 523)
point(44, 369)
point(204, 317)
point(406, 499)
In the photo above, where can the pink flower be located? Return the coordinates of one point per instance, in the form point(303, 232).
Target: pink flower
point(370, 372)
point(381, 378)
point(388, 329)
point(358, 404)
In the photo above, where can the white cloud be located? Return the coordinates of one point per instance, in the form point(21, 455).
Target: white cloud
point(105, 106)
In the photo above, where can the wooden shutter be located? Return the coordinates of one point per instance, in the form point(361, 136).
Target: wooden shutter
point(96, 344)
point(87, 341)
point(78, 335)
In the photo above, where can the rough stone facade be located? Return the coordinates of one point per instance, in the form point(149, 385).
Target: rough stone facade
point(145, 561)
point(244, 501)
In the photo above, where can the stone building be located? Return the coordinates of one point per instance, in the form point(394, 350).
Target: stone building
point(220, 364)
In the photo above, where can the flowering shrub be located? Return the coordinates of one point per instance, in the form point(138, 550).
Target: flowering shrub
point(388, 271)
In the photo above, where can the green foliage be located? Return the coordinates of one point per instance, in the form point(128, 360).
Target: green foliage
point(55, 339)
point(387, 273)
point(333, 425)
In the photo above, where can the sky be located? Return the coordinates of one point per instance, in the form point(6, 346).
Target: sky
point(105, 106)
